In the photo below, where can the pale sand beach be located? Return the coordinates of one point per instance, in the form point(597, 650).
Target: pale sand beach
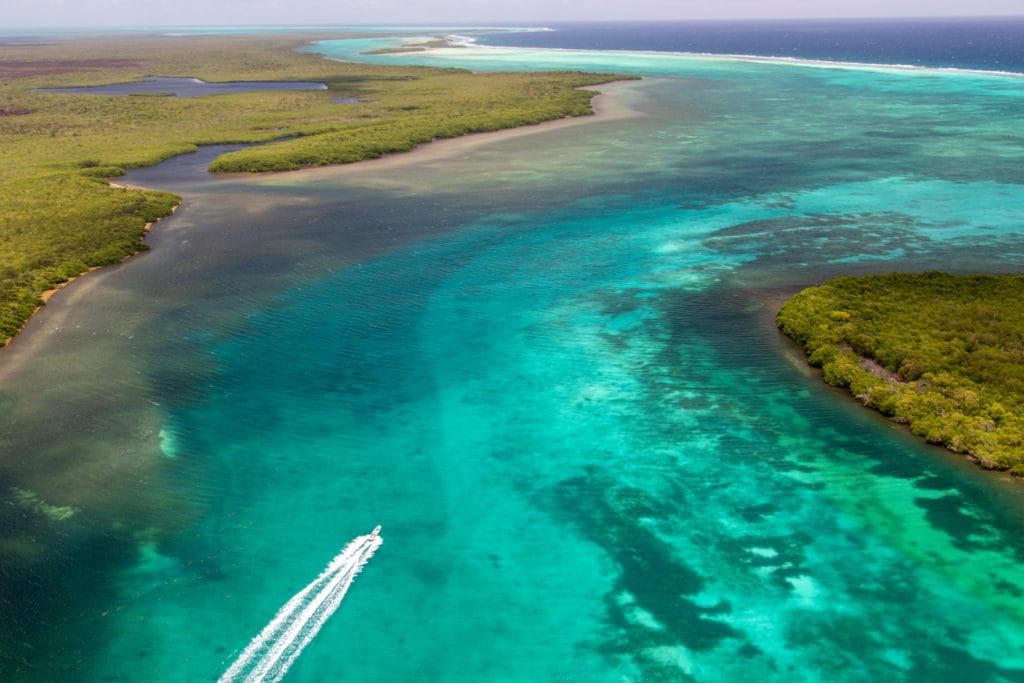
point(479, 158)
point(613, 102)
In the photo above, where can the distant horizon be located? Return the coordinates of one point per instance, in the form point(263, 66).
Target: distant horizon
point(85, 14)
point(524, 23)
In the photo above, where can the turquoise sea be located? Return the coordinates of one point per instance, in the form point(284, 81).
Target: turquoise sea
point(546, 364)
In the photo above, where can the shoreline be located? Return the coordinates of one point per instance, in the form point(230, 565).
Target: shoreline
point(48, 294)
point(941, 401)
point(611, 103)
point(606, 106)
point(765, 59)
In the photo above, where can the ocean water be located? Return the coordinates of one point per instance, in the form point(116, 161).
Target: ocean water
point(985, 43)
point(547, 366)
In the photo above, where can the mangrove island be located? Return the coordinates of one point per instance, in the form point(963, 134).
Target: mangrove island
point(941, 353)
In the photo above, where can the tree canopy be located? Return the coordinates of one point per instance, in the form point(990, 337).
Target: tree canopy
point(943, 353)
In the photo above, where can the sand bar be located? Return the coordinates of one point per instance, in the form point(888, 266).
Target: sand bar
point(613, 102)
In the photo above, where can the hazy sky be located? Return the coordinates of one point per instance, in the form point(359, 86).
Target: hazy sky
point(21, 13)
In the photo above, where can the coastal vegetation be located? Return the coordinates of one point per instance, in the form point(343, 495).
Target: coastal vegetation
point(59, 216)
point(939, 352)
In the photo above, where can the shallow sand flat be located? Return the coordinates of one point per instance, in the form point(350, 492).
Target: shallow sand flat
point(616, 101)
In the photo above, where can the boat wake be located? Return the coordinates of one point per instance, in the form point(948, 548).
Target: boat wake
point(269, 655)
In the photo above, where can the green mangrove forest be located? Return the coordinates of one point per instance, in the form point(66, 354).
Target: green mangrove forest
point(942, 353)
point(59, 215)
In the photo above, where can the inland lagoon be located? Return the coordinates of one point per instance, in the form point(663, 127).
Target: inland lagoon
point(546, 362)
point(180, 86)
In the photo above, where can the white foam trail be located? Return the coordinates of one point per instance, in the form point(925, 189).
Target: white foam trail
point(269, 655)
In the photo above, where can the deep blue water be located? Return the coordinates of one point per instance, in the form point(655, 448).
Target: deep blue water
point(995, 44)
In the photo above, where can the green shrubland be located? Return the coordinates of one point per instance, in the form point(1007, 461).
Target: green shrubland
point(942, 353)
point(416, 111)
point(59, 215)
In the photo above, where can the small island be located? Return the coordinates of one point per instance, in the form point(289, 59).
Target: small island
point(941, 353)
point(438, 42)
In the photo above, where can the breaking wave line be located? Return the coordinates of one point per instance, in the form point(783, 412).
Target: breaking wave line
point(269, 655)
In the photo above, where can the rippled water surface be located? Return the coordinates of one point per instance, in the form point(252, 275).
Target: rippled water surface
point(547, 366)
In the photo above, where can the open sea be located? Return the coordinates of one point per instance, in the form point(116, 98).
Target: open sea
point(547, 366)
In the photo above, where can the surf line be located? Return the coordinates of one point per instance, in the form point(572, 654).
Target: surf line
point(268, 656)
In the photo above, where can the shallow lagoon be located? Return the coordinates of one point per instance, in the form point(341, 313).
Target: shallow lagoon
point(177, 86)
point(547, 366)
